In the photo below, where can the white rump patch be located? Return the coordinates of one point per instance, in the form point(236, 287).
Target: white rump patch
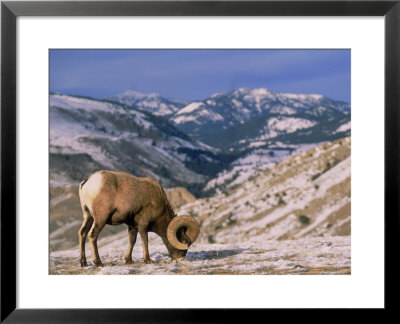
point(92, 187)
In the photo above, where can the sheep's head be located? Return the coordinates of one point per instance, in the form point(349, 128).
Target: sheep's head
point(182, 231)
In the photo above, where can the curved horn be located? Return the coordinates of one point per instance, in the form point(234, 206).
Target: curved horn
point(192, 231)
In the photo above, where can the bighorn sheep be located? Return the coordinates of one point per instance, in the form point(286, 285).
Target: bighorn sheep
point(115, 198)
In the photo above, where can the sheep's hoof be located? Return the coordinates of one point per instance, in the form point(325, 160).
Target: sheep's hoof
point(149, 261)
point(129, 261)
point(98, 264)
point(84, 264)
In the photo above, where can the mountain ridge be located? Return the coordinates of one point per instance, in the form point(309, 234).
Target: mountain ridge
point(150, 102)
point(222, 111)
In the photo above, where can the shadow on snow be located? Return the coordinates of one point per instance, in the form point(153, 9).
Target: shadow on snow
point(213, 254)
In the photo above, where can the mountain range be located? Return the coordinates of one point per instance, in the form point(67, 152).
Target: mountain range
point(208, 147)
point(247, 118)
point(181, 145)
point(223, 111)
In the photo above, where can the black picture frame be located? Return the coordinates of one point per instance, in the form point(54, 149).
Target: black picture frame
point(10, 10)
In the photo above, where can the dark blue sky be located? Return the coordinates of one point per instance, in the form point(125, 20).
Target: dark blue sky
point(197, 74)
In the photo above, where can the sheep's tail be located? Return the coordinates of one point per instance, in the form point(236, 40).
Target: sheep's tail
point(83, 182)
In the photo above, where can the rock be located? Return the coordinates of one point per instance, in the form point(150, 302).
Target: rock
point(179, 196)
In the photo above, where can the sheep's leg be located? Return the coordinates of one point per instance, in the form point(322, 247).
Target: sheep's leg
point(132, 232)
point(145, 244)
point(82, 233)
point(93, 234)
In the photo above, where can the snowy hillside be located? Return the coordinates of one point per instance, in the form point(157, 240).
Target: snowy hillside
point(87, 135)
point(150, 102)
point(252, 163)
point(222, 111)
point(308, 194)
point(273, 130)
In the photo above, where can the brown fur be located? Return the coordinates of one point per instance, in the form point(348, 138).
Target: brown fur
point(114, 198)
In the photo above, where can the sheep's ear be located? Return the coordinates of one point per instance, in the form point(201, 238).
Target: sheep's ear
point(182, 237)
point(186, 239)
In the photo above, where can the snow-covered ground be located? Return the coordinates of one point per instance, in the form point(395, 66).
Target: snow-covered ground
point(317, 255)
